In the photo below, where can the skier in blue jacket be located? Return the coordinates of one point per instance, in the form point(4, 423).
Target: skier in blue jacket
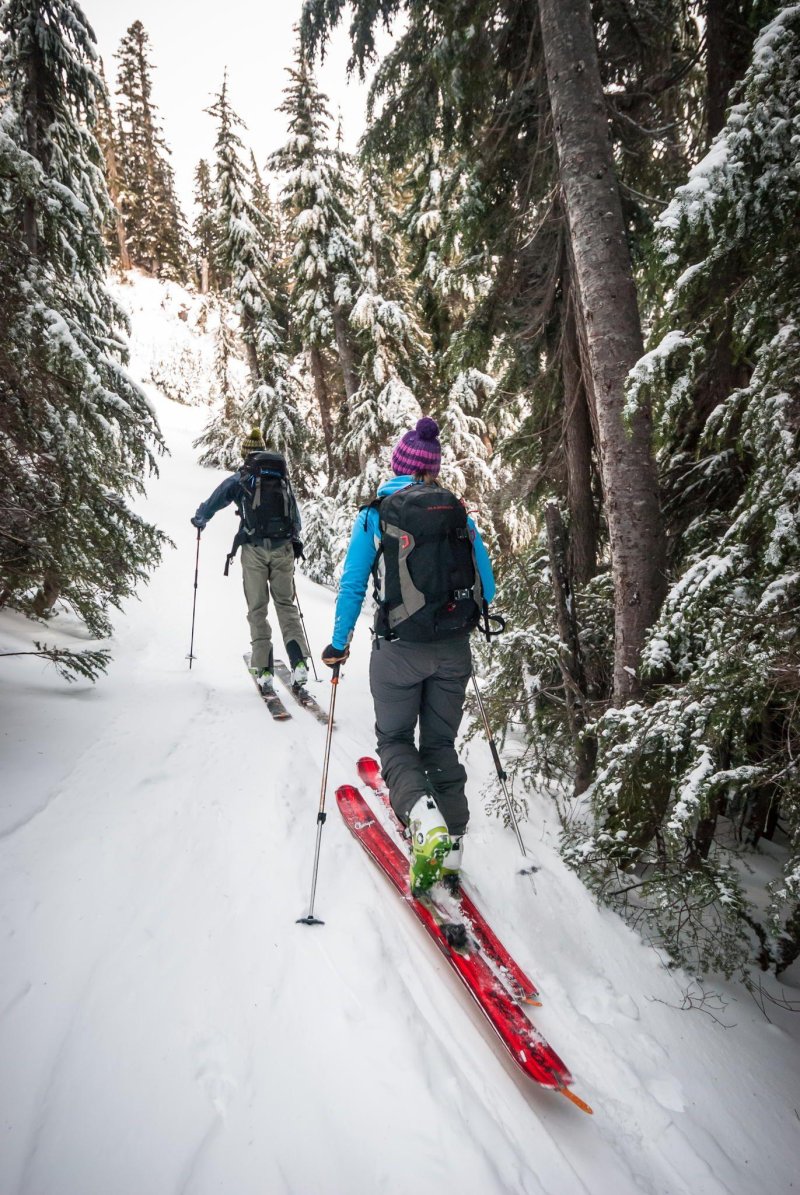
point(421, 661)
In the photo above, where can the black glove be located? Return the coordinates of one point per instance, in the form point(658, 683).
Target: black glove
point(199, 522)
point(334, 655)
point(297, 548)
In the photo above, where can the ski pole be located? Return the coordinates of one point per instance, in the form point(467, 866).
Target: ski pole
point(305, 632)
point(502, 776)
point(321, 814)
point(190, 657)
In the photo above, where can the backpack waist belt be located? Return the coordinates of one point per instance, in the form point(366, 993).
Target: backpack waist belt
point(242, 537)
point(261, 542)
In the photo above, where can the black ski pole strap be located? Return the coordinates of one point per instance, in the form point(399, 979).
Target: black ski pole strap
point(240, 538)
point(489, 618)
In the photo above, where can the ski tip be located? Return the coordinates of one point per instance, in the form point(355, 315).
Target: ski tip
point(368, 770)
point(533, 1003)
point(576, 1100)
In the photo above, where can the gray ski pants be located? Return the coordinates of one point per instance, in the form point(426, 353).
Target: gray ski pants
point(265, 572)
point(421, 683)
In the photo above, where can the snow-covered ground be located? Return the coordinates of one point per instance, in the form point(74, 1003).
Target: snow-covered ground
point(166, 1026)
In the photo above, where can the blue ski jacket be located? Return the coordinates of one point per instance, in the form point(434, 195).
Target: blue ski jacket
point(365, 542)
point(229, 491)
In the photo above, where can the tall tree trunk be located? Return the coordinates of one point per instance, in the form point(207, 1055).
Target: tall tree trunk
point(569, 658)
point(105, 137)
point(113, 189)
point(611, 320)
point(729, 41)
point(345, 350)
point(204, 276)
point(47, 596)
point(577, 450)
point(324, 404)
point(252, 361)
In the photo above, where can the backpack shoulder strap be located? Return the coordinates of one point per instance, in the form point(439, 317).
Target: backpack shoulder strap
point(375, 504)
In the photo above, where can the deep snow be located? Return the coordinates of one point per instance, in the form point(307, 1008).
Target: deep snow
point(166, 1026)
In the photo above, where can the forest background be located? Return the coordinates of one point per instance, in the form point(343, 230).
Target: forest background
point(566, 235)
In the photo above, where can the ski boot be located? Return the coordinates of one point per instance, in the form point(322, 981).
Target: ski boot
point(430, 844)
point(300, 675)
point(265, 682)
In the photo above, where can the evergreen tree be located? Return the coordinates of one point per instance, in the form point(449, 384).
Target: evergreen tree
point(221, 440)
point(712, 755)
point(149, 205)
point(315, 198)
point(271, 239)
point(393, 360)
point(77, 433)
point(204, 231)
point(244, 274)
point(106, 137)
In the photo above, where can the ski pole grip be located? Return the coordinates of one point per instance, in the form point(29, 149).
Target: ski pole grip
point(335, 670)
point(496, 757)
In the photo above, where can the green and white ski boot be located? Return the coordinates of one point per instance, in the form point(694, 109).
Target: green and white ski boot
point(264, 680)
point(430, 844)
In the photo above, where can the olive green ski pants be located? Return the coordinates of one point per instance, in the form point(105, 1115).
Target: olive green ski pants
point(269, 572)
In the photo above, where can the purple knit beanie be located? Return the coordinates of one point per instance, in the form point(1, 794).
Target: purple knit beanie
point(418, 451)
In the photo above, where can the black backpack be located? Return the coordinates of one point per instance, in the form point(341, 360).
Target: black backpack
point(427, 585)
point(265, 504)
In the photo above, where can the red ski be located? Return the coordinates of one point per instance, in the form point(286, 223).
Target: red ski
point(527, 1047)
point(520, 986)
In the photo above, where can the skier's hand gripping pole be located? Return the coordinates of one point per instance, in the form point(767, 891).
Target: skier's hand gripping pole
point(310, 919)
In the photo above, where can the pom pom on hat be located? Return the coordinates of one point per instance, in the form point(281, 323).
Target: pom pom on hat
point(254, 442)
point(418, 451)
point(427, 429)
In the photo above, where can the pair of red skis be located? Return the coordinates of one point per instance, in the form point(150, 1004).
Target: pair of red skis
point(493, 978)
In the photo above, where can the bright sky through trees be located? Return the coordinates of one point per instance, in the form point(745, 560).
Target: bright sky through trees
point(192, 44)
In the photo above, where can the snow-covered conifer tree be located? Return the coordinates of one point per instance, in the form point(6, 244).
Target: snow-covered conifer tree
point(315, 198)
point(77, 433)
point(153, 220)
point(107, 137)
point(204, 228)
point(711, 757)
point(270, 233)
point(220, 442)
point(244, 275)
point(394, 365)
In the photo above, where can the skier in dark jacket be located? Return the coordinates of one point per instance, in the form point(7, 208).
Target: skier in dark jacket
point(418, 676)
point(267, 570)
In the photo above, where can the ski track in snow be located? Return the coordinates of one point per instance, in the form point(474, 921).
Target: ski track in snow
point(167, 1027)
